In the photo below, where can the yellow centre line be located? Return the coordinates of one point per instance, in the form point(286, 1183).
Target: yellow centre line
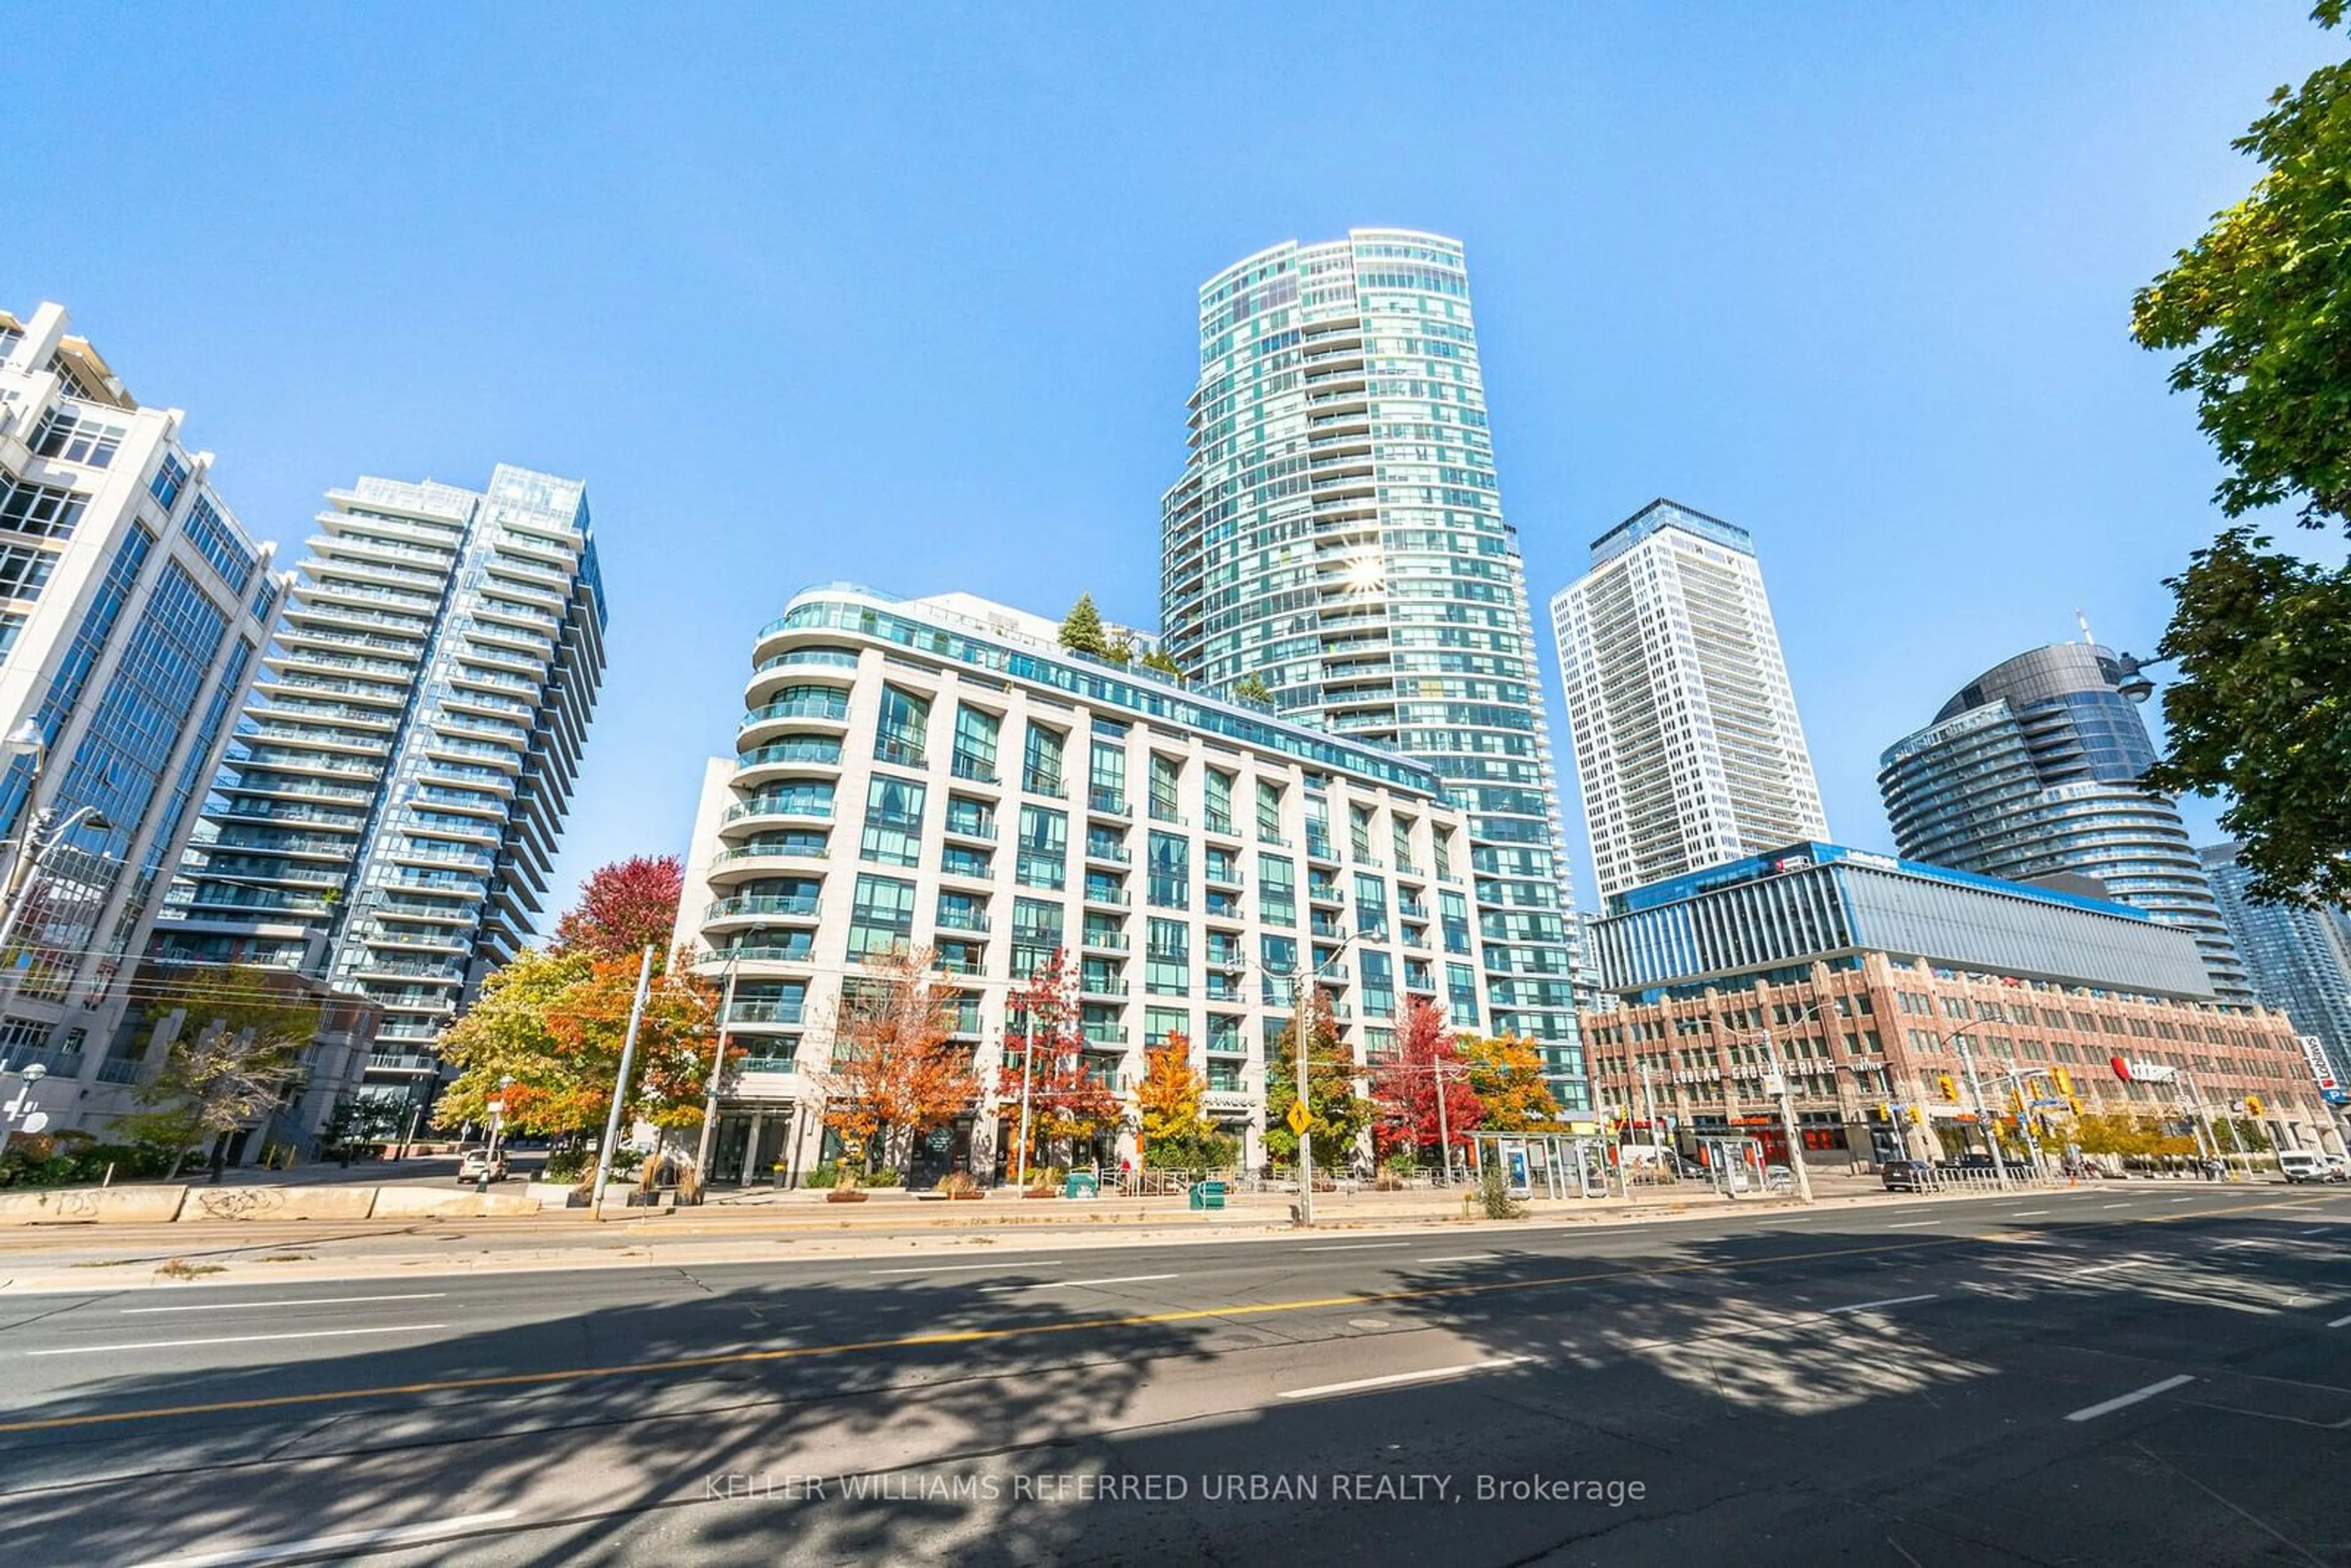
point(1075, 1325)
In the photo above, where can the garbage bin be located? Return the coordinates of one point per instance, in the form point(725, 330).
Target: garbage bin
point(1082, 1183)
point(1207, 1195)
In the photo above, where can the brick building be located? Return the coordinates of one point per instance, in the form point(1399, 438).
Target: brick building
point(1864, 976)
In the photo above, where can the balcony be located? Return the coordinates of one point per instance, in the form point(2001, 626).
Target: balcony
point(958, 918)
point(1324, 893)
point(1109, 803)
point(1114, 898)
point(1046, 784)
point(398, 1061)
point(975, 769)
point(750, 906)
point(1102, 986)
point(1107, 852)
point(815, 807)
point(1228, 877)
point(759, 1010)
point(1104, 941)
point(900, 752)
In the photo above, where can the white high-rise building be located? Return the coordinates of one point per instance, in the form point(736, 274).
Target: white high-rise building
point(132, 609)
point(389, 812)
point(1686, 734)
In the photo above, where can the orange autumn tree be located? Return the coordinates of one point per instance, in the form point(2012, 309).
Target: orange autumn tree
point(1177, 1133)
point(555, 1023)
point(1044, 1055)
point(895, 1074)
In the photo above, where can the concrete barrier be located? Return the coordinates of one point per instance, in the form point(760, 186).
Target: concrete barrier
point(91, 1205)
point(279, 1203)
point(551, 1193)
point(423, 1203)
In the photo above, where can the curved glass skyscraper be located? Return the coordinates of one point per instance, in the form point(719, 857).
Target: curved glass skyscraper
point(1338, 534)
point(2032, 770)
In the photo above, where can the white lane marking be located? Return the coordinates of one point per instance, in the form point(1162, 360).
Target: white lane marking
point(1913, 1224)
point(432, 1530)
point(233, 1339)
point(1872, 1306)
point(2339, 1323)
point(1392, 1378)
point(1356, 1247)
point(2174, 1200)
point(2127, 1206)
point(2322, 1231)
point(1462, 1258)
point(2103, 1267)
point(303, 1301)
point(2125, 1400)
point(1076, 1284)
point(2027, 1213)
point(939, 1269)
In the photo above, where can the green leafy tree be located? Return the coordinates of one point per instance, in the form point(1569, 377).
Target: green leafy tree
point(1155, 659)
point(1340, 1112)
point(1253, 689)
point(1081, 628)
point(1121, 649)
point(241, 1034)
point(2261, 712)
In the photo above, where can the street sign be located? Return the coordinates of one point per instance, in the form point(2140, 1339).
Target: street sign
point(1299, 1118)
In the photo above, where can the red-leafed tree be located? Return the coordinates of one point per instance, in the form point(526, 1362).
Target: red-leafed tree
point(1043, 1045)
point(1406, 1087)
point(624, 908)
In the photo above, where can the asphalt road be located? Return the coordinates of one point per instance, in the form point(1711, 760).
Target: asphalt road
point(2140, 1376)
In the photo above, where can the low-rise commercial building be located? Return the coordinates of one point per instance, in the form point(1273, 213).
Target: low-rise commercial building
point(1878, 987)
point(937, 775)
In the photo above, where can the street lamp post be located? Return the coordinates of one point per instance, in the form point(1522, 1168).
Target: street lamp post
point(1983, 1112)
point(717, 1070)
point(498, 1124)
point(22, 1108)
point(1779, 1080)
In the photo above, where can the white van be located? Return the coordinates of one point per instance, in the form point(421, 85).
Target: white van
point(2299, 1165)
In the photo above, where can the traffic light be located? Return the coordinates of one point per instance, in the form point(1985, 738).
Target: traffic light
point(2075, 1104)
point(1946, 1088)
point(1885, 1113)
point(1917, 1117)
point(2065, 1083)
point(2252, 1104)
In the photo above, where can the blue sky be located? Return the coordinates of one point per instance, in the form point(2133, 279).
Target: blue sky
point(905, 293)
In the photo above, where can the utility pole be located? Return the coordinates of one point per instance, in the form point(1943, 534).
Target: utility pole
point(1788, 1120)
point(620, 1087)
point(717, 1070)
point(1983, 1114)
point(1299, 994)
point(1444, 1132)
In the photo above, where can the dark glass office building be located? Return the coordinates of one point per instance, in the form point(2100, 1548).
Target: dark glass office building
point(2032, 771)
point(2299, 956)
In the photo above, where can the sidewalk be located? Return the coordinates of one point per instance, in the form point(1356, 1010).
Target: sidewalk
point(84, 1261)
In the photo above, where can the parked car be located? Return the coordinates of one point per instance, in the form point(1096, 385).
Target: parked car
point(475, 1165)
point(1907, 1175)
point(2299, 1165)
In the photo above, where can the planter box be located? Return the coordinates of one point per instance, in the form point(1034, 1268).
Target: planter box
point(1039, 1192)
point(845, 1195)
point(974, 1195)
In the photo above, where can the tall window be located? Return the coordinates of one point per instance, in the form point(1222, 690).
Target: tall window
point(1159, 1023)
point(900, 737)
point(1277, 890)
point(1269, 811)
point(973, 818)
point(1044, 860)
point(1279, 956)
point(1167, 788)
point(1167, 959)
point(1370, 904)
point(882, 919)
point(1217, 799)
point(1379, 984)
point(975, 743)
point(1400, 836)
point(1318, 827)
point(1170, 872)
point(893, 821)
point(1036, 934)
point(1106, 780)
point(1461, 996)
point(1042, 765)
point(1443, 854)
point(1359, 832)
point(1453, 913)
